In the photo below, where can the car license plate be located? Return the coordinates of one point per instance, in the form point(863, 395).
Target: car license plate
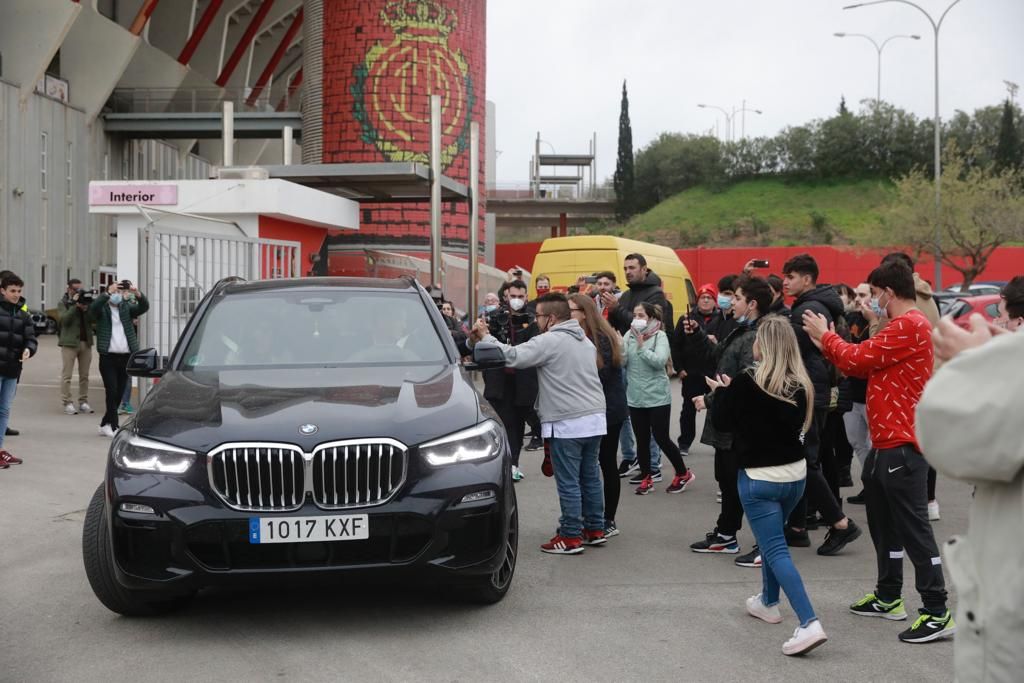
point(308, 529)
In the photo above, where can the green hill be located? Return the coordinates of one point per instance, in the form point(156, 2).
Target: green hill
point(763, 212)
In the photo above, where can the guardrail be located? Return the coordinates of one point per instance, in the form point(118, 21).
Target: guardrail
point(526, 191)
point(192, 100)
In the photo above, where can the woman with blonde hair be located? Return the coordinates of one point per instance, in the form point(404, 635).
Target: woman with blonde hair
point(768, 409)
point(609, 368)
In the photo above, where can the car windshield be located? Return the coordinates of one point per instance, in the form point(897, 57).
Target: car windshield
point(314, 328)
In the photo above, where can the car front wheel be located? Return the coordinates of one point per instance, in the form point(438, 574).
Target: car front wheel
point(490, 589)
point(98, 556)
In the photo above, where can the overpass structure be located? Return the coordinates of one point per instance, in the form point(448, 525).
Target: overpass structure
point(515, 213)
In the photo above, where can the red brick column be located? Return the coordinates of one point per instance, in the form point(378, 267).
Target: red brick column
point(381, 62)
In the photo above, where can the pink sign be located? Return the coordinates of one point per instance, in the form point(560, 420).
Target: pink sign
point(114, 195)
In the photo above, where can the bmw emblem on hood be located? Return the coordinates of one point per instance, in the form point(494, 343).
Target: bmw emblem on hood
point(308, 429)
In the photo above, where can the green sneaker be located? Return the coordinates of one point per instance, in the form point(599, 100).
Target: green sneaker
point(125, 409)
point(517, 474)
point(871, 606)
point(929, 627)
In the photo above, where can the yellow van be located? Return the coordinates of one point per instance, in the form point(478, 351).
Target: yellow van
point(563, 259)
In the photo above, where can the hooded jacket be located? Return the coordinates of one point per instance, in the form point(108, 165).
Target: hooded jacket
point(17, 333)
point(822, 299)
point(968, 425)
point(650, 291)
point(568, 383)
point(646, 380)
point(925, 301)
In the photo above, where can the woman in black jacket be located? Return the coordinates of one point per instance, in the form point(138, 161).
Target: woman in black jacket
point(768, 409)
point(17, 344)
point(609, 369)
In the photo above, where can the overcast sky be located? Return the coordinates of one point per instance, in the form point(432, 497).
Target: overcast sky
point(557, 66)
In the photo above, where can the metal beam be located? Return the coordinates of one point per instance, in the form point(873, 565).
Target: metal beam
point(209, 14)
point(474, 216)
point(436, 266)
point(243, 43)
point(275, 58)
point(142, 18)
point(290, 90)
point(202, 125)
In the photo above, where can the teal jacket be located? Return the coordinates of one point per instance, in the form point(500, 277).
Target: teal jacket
point(648, 385)
point(100, 309)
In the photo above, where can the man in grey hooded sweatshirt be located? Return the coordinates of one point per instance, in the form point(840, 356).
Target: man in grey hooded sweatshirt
point(570, 402)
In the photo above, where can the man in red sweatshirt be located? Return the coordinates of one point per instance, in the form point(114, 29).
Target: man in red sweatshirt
point(896, 362)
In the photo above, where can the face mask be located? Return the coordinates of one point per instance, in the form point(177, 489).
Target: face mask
point(742, 319)
point(516, 304)
point(541, 291)
point(638, 324)
point(490, 308)
point(724, 302)
point(116, 299)
point(876, 306)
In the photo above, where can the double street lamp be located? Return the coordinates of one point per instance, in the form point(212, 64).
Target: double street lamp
point(878, 48)
point(730, 118)
point(936, 25)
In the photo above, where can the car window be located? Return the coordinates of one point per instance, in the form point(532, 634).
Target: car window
point(318, 328)
point(959, 308)
point(992, 310)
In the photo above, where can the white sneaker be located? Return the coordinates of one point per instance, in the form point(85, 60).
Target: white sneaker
point(718, 496)
point(107, 430)
point(84, 407)
point(757, 608)
point(933, 511)
point(69, 409)
point(805, 639)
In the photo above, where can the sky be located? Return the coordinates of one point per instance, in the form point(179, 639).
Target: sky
point(557, 66)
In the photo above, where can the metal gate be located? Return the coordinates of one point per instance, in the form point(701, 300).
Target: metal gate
point(177, 268)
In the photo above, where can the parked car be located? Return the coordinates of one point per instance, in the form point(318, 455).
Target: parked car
point(944, 300)
point(43, 323)
point(978, 288)
point(304, 429)
point(962, 308)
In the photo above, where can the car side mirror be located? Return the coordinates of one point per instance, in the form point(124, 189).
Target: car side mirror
point(146, 363)
point(486, 356)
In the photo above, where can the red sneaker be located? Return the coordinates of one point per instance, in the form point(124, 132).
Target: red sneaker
point(680, 481)
point(594, 537)
point(546, 467)
point(645, 487)
point(560, 545)
point(9, 459)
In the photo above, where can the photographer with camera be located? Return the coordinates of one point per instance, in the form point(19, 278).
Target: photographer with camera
point(75, 330)
point(115, 312)
point(512, 392)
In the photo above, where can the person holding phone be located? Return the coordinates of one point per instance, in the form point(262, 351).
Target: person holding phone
point(115, 312)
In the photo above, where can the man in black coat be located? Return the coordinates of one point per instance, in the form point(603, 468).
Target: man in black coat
point(643, 285)
point(800, 279)
point(17, 344)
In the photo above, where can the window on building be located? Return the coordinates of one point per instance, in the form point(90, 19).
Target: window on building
point(42, 160)
point(186, 299)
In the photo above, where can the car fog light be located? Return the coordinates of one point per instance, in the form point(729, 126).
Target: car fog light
point(137, 508)
point(477, 495)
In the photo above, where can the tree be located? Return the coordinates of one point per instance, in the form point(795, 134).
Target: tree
point(623, 180)
point(982, 208)
point(1008, 149)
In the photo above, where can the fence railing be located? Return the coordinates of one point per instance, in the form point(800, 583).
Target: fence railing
point(527, 191)
point(193, 100)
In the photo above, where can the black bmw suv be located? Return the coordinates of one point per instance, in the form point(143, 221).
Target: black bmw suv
point(304, 428)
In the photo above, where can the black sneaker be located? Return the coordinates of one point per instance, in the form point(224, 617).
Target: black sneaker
point(535, 444)
point(836, 539)
point(628, 467)
point(638, 478)
point(797, 539)
point(928, 628)
point(813, 522)
point(715, 542)
point(871, 606)
point(856, 500)
point(751, 559)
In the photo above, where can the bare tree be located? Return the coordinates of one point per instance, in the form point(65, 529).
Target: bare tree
point(982, 209)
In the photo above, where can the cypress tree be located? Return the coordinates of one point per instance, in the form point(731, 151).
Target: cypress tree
point(1008, 150)
point(623, 180)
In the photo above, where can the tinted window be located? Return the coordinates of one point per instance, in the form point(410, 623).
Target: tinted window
point(992, 310)
point(959, 308)
point(330, 327)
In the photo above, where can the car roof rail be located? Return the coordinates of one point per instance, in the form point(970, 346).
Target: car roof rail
point(224, 282)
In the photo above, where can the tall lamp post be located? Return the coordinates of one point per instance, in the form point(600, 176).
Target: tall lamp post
point(878, 48)
point(743, 126)
point(936, 25)
point(728, 118)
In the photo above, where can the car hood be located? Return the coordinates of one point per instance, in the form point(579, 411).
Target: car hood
point(201, 410)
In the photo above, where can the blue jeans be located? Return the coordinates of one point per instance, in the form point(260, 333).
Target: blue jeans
point(578, 480)
point(768, 505)
point(8, 387)
point(628, 443)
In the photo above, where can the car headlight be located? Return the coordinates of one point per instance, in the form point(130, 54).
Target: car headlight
point(137, 454)
point(482, 442)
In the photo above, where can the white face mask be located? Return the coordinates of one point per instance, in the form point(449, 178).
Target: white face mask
point(516, 304)
point(639, 324)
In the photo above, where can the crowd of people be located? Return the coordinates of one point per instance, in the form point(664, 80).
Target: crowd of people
point(794, 393)
point(87, 319)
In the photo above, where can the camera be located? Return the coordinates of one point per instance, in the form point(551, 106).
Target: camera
point(499, 322)
point(124, 284)
point(84, 296)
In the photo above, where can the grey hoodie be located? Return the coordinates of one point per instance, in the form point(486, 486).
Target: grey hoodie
point(567, 378)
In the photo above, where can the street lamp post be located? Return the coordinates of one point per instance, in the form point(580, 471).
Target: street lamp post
point(936, 25)
point(728, 118)
point(878, 48)
point(743, 126)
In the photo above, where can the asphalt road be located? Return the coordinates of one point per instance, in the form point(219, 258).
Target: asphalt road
point(643, 607)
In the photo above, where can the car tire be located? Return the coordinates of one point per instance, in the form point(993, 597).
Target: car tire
point(51, 326)
point(99, 569)
point(490, 589)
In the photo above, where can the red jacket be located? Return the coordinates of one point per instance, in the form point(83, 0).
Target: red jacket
point(896, 362)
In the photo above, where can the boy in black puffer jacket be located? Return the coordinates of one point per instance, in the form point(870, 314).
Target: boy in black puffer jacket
point(17, 344)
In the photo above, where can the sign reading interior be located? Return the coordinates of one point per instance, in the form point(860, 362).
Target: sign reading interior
point(113, 195)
